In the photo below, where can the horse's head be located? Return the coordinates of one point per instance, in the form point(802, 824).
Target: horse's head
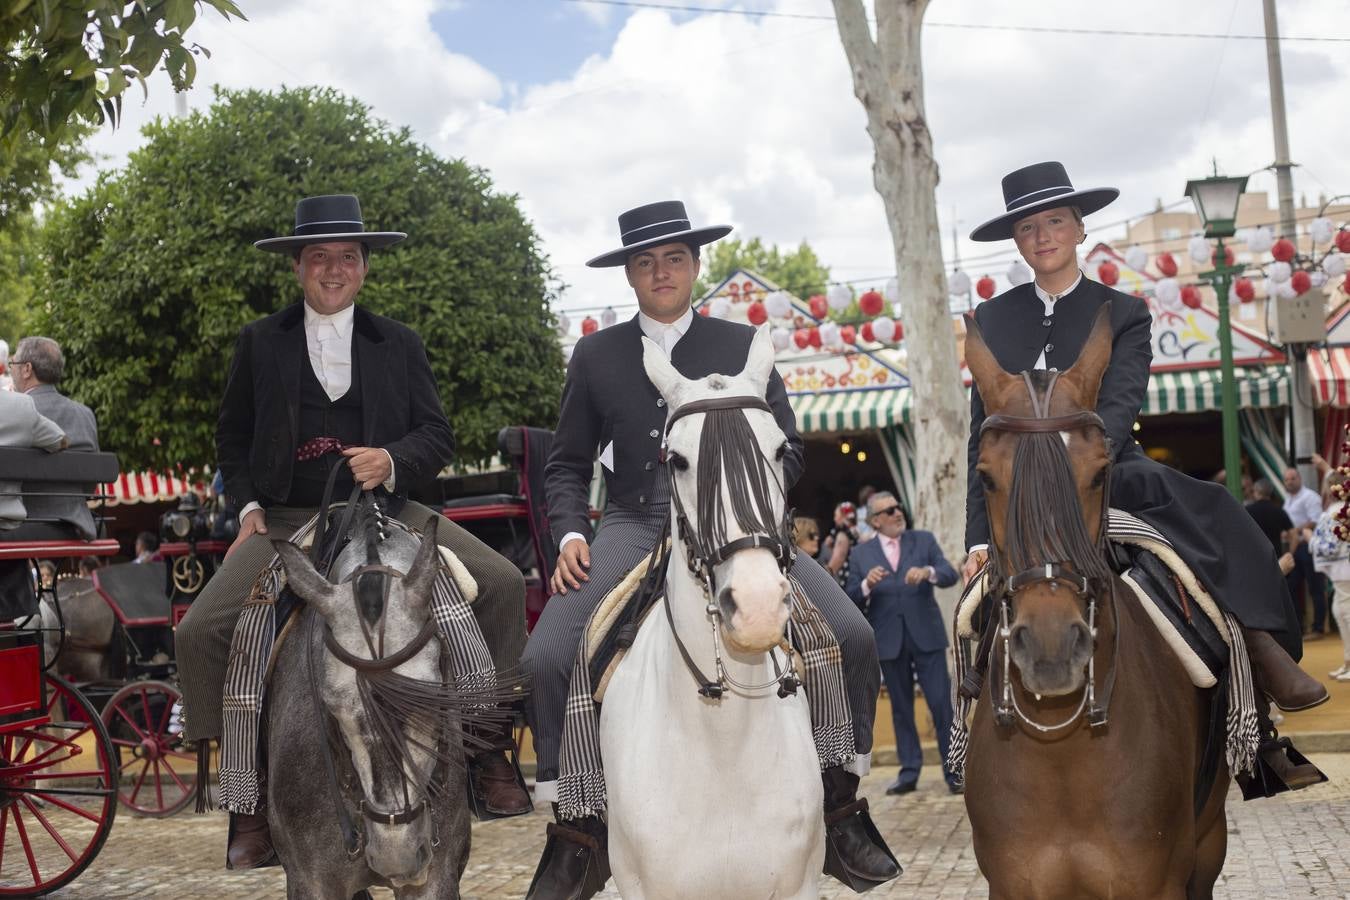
point(1044, 463)
point(377, 613)
point(725, 451)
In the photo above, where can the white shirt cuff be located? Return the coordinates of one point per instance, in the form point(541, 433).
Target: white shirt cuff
point(248, 508)
point(389, 482)
point(569, 538)
point(984, 547)
point(932, 574)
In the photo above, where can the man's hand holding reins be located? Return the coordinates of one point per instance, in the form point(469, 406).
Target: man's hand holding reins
point(253, 522)
point(573, 561)
point(371, 466)
point(974, 562)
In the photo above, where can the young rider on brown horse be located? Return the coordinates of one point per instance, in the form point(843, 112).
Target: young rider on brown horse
point(1044, 325)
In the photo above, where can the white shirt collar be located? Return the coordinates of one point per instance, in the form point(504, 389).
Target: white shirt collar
point(341, 321)
point(1049, 299)
point(654, 329)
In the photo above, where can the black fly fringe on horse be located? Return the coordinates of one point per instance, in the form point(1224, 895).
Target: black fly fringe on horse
point(1045, 520)
point(727, 449)
point(437, 717)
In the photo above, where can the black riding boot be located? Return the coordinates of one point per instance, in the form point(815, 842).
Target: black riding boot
point(575, 864)
point(855, 852)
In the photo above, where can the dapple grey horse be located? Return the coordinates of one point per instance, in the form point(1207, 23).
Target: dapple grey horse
point(411, 835)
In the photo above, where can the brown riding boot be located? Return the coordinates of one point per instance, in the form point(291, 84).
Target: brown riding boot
point(495, 782)
point(250, 842)
point(1291, 688)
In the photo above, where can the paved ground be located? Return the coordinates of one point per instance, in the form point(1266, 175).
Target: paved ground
point(1295, 846)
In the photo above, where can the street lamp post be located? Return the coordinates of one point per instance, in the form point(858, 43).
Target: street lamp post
point(1216, 199)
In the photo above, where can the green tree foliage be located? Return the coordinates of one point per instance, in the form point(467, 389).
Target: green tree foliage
point(798, 271)
point(70, 61)
point(151, 274)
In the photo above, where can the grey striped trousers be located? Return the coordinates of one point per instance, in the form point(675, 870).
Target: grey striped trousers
point(625, 537)
point(202, 640)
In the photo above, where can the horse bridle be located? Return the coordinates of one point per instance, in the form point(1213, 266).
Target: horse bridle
point(1053, 573)
point(703, 560)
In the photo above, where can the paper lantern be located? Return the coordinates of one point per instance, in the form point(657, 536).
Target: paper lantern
point(564, 324)
point(781, 337)
point(1279, 272)
point(1167, 265)
point(1343, 240)
point(1321, 229)
point(589, 326)
point(1228, 257)
point(985, 287)
point(1136, 258)
point(892, 289)
point(1167, 291)
point(801, 338)
point(567, 352)
point(871, 303)
point(838, 297)
point(899, 331)
point(1190, 296)
point(705, 310)
point(1262, 239)
point(959, 284)
point(1285, 291)
point(608, 317)
point(1334, 265)
point(720, 307)
point(1283, 250)
point(829, 334)
point(756, 313)
point(1108, 273)
point(867, 334)
point(848, 334)
point(778, 304)
point(1245, 289)
point(1018, 273)
point(819, 308)
point(1319, 278)
point(813, 337)
point(1198, 248)
point(1300, 281)
point(883, 327)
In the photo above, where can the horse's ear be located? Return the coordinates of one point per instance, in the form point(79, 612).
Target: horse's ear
point(1088, 369)
point(990, 378)
point(302, 576)
point(759, 361)
point(660, 371)
point(422, 573)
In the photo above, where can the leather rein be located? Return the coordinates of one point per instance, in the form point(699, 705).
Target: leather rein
point(1055, 573)
point(702, 561)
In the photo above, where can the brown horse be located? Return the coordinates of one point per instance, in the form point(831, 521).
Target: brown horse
point(1086, 744)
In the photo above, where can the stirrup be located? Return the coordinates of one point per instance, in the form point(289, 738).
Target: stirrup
point(478, 805)
point(1265, 780)
point(834, 862)
point(592, 857)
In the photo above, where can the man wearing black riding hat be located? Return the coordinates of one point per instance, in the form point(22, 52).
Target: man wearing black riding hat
point(1044, 325)
point(610, 408)
point(325, 381)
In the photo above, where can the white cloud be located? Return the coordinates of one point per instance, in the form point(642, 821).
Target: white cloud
point(752, 120)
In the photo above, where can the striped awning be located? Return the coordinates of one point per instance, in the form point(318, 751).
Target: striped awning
point(151, 487)
point(1329, 371)
point(1259, 387)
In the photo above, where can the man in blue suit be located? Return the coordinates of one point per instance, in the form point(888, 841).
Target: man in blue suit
point(891, 578)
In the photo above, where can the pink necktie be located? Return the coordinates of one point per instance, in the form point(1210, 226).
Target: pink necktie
point(892, 548)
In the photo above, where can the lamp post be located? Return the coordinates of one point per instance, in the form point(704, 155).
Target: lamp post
point(1216, 199)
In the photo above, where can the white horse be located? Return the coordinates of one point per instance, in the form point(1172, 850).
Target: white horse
point(715, 798)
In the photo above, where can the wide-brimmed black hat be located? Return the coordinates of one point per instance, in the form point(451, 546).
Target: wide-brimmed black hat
point(1038, 187)
point(655, 224)
point(332, 217)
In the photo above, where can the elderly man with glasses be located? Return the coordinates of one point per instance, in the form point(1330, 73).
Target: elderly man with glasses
point(891, 579)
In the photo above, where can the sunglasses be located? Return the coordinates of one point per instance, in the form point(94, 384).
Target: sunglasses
point(890, 511)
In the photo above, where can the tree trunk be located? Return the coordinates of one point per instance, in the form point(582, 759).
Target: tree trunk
point(888, 81)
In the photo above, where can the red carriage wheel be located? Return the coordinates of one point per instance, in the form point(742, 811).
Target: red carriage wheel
point(158, 778)
point(56, 795)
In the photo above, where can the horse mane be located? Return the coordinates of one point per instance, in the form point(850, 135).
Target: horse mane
point(728, 451)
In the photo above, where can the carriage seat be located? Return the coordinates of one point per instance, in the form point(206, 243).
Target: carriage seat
point(135, 593)
point(26, 473)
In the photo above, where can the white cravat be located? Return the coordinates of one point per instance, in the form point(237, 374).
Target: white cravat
point(666, 335)
point(329, 340)
point(1049, 299)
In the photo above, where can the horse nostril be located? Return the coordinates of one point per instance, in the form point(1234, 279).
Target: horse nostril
point(727, 603)
point(1020, 641)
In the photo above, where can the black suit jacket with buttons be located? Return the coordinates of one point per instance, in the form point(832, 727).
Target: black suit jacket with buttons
point(1016, 330)
point(608, 397)
point(401, 410)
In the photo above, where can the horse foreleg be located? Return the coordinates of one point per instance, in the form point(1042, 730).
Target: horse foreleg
point(1211, 847)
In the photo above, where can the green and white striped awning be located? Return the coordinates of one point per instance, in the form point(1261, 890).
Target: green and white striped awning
point(1259, 387)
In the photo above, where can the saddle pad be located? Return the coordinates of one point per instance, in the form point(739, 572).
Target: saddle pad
point(1200, 641)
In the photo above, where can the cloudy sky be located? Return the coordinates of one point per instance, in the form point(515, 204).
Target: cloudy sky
point(745, 109)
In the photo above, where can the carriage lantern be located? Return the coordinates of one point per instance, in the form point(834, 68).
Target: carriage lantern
point(189, 522)
point(1216, 200)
